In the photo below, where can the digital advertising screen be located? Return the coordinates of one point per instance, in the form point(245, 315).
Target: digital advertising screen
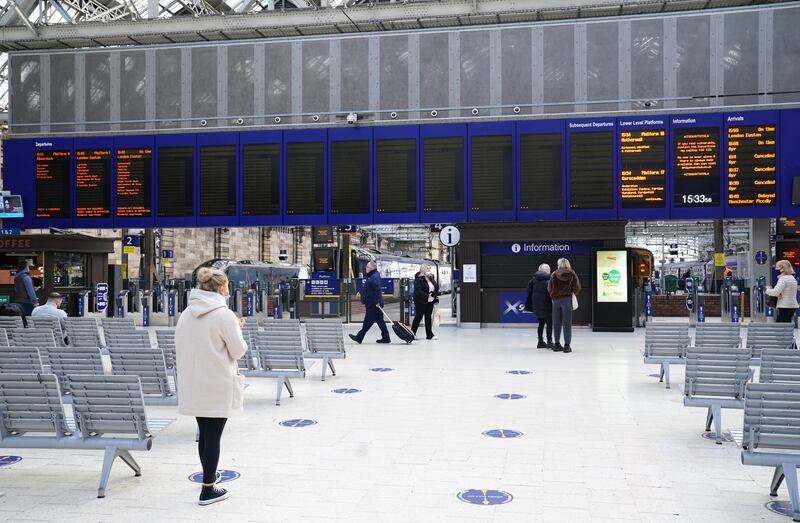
point(540, 173)
point(396, 174)
point(261, 179)
point(612, 276)
point(492, 172)
point(591, 170)
point(696, 164)
point(11, 206)
point(93, 183)
point(134, 182)
point(643, 169)
point(53, 184)
point(752, 165)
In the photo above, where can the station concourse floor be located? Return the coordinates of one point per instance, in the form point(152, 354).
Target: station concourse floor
point(603, 441)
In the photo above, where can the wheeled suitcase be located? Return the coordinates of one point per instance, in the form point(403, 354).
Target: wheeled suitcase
point(400, 329)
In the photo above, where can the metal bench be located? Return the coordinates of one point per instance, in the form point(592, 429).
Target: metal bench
point(20, 360)
point(165, 339)
point(771, 434)
point(117, 324)
point(665, 344)
point(280, 355)
point(325, 341)
point(64, 361)
point(723, 335)
point(3, 338)
point(762, 336)
point(716, 379)
point(52, 323)
point(779, 366)
point(108, 411)
point(31, 337)
point(83, 332)
point(151, 368)
point(11, 322)
point(128, 338)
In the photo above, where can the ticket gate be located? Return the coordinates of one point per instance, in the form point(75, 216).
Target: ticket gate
point(759, 310)
point(691, 300)
point(726, 301)
point(82, 303)
point(122, 303)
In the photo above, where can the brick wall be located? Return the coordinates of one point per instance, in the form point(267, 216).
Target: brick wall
point(675, 306)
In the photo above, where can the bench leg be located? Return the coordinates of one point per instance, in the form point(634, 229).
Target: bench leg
point(289, 387)
point(790, 472)
point(709, 419)
point(280, 390)
point(665, 373)
point(324, 366)
point(333, 369)
point(716, 415)
point(110, 455)
point(661, 374)
point(777, 479)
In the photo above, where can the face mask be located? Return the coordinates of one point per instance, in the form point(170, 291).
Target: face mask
point(227, 298)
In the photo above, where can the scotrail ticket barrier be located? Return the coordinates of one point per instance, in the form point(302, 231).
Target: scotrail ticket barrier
point(82, 306)
point(172, 296)
point(700, 304)
point(147, 296)
point(122, 303)
point(759, 311)
point(691, 300)
point(726, 301)
point(735, 297)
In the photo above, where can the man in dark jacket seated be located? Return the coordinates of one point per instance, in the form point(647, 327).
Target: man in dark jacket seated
point(372, 297)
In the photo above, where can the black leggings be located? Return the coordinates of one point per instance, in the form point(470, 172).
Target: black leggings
point(546, 322)
point(208, 446)
point(426, 311)
point(785, 315)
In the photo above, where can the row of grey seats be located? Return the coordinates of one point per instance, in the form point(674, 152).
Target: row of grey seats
point(720, 374)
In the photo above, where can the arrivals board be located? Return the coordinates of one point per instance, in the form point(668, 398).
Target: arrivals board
point(350, 177)
point(696, 163)
point(492, 171)
point(261, 179)
point(396, 175)
point(540, 172)
point(175, 181)
point(52, 184)
point(643, 169)
point(93, 183)
point(591, 170)
point(218, 180)
point(443, 173)
point(752, 165)
point(134, 182)
point(305, 178)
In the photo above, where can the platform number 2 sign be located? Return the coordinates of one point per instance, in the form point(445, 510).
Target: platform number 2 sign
point(450, 236)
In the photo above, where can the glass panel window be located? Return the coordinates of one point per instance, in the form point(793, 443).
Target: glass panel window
point(69, 269)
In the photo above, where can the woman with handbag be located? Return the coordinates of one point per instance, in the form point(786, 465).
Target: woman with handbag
point(563, 287)
point(785, 291)
point(426, 292)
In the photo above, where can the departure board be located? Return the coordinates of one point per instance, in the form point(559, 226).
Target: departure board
point(752, 165)
point(695, 154)
point(591, 170)
point(175, 181)
point(787, 226)
point(261, 179)
point(492, 173)
point(788, 250)
point(350, 175)
point(93, 183)
point(643, 168)
point(305, 178)
point(52, 184)
point(396, 173)
point(218, 180)
point(134, 182)
point(540, 172)
point(443, 168)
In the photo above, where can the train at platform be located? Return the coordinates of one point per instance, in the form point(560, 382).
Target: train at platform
point(396, 266)
point(244, 273)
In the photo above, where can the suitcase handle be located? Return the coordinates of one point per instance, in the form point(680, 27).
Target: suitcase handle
point(384, 314)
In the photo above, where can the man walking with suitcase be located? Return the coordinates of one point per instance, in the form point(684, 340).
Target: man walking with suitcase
point(372, 297)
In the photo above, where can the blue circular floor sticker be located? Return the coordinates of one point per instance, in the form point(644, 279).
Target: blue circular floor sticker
point(381, 369)
point(346, 391)
point(727, 437)
point(656, 375)
point(520, 372)
point(784, 508)
point(9, 460)
point(485, 497)
point(509, 396)
point(297, 423)
point(502, 433)
point(224, 476)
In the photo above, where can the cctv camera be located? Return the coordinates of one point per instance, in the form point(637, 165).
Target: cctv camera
point(649, 103)
point(475, 111)
point(315, 117)
point(434, 113)
point(239, 121)
point(277, 119)
point(352, 118)
point(393, 115)
point(203, 123)
point(517, 110)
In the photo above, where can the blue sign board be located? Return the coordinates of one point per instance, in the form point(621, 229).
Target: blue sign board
point(346, 391)
point(648, 302)
point(735, 313)
point(701, 313)
point(167, 254)
point(171, 304)
point(761, 257)
point(323, 285)
point(347, 228)
point(437, 227)
point(9, 460)
point(485, 497)
point(297, 423)
point(558, 249)
point(510, 396)
point(101, 297)
point(131, 240)
point(10, 231)
point(224, 476)
point(387, 286)
point(512, 308)
point(502, 433)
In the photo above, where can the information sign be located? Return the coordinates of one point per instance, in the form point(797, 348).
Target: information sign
point(323, 285)
point(101, 297)
point(695, 155)
point(450, 236)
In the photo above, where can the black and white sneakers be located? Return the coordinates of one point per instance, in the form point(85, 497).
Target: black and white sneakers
point(209, 495)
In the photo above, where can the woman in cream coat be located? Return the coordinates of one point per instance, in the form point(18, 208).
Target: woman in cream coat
point(208, 341)
point(786, 292)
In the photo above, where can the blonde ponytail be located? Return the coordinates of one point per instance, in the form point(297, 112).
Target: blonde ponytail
point(211, 280)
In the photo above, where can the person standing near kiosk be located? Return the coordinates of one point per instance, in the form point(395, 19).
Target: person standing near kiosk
point(786, 292)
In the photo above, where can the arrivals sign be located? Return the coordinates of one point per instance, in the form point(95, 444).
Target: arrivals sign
point(612, 276)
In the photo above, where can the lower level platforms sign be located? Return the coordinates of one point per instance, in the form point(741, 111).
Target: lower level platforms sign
point(485, 497)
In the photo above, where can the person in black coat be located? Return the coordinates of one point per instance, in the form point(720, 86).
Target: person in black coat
point(426, 292)
point(372, 298)
point(540, 303)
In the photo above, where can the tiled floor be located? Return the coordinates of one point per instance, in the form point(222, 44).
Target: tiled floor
point(603, 441)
